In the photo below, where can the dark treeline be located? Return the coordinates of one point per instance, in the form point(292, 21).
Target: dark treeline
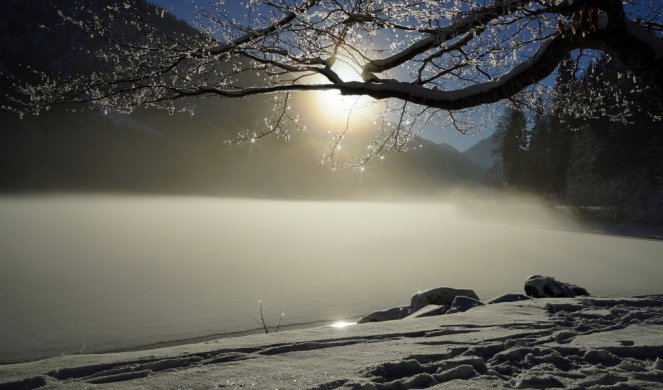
point(610, 166)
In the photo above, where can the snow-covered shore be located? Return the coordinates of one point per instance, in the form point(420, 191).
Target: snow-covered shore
point(574, 343)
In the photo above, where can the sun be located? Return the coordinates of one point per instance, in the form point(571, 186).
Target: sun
point(329, 111)
point(332, 102)
point(332, 108)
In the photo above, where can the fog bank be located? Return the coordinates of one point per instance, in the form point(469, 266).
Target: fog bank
point(109, 272)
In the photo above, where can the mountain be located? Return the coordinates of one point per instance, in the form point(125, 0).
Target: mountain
point(485, 153)
point(153, 152)
point(180, 155)
point(32, 33)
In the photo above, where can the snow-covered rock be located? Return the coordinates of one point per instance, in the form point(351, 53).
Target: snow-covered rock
point(439, 296)
point(538, 286)
point(632, 365)
point(394, 313)
point(508, 297)
point(463, 303)
point(430, 310)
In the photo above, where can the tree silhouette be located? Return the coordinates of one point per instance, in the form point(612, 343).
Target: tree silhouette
point(430, 60)
point(514, 145)
point(565, 95)
point(538, 154)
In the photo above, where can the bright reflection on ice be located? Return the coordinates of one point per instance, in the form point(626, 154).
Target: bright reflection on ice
point(342, 324)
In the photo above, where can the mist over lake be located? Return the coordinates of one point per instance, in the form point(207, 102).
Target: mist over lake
point(108, 272)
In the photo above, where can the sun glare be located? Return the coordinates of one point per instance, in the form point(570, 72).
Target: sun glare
point(332, 108)
point(332, 101)
point(342, 324)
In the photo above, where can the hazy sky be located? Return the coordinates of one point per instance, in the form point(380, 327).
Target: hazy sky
point(185, 10)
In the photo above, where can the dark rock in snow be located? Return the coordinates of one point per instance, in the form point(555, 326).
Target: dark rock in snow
point(430, 310)
point(439, 296)
point(601, 356)
point(508, 297)
point(462, 303)
point(538, 286)
point(394, 313)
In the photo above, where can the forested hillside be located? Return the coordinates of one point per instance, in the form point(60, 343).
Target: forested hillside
point(610, 165)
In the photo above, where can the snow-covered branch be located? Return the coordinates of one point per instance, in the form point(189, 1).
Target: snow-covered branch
point(445, 55)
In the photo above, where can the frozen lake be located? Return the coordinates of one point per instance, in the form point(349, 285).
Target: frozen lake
point(114, 272)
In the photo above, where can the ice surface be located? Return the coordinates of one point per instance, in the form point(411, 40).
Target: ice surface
point(117, 272)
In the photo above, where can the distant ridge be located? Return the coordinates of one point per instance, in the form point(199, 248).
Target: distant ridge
point(485, 153)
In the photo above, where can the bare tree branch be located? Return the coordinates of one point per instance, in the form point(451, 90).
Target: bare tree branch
point(431, 57)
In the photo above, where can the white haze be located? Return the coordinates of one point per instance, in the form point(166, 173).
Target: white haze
point(113, 272)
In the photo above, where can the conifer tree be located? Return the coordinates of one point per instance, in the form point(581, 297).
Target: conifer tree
point(561, 126)
point(582, 180)
point(538, 154)
point(514, 143)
